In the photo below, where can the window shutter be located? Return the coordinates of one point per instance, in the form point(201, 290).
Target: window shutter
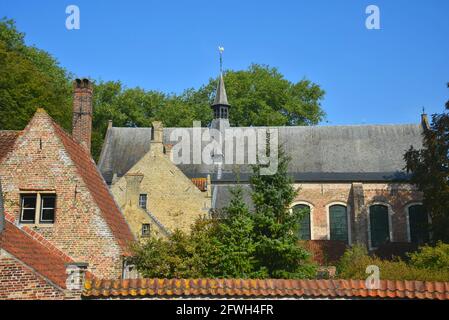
point(304, 224)
point(419, 224)
point(338, 220)
point(379, 226)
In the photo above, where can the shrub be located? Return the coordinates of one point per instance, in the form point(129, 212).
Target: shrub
point(434, 258)
point(355, 260)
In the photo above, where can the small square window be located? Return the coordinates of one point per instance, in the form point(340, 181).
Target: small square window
point(48, 206)
point(28, 210)
point(146, 230)
point(143, 201)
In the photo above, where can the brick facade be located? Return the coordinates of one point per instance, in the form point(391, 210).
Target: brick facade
point(19, 281)
point(41, 162)
point(358, 197)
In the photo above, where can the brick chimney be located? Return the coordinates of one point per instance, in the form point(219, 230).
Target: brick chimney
point(157, 146)
point(82, 112)
point(2, 210)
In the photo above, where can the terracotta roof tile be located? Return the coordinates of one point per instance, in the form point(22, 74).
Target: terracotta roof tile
point(201, 183)
point(44, 261)
point(264, 288)
point(98, 188)
point(7, 139)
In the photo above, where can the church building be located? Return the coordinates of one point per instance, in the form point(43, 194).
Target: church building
point(350, 179)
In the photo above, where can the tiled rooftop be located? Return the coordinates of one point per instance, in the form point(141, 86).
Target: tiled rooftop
point(201, 183)
point(7, 139)
point(47, 261)
point(238, 288)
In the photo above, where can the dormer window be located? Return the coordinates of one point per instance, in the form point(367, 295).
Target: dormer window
point(37, 208)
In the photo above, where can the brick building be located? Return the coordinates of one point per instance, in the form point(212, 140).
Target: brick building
point(155, 195)
point(350, 179)
point(56, 200)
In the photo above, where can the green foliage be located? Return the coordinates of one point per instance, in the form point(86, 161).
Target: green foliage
point(235, 240)
point(261, 96)
point(434, 258)
point(275, 225)
point(30, 78)
point(260, 244)
point(179, 256)
point(354, 262)
point(429, 168)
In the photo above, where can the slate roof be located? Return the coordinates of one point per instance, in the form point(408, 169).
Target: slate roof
point(319, 153)
point(98, 189)
point(7, 139)
point(238, 288)
point(47, 261)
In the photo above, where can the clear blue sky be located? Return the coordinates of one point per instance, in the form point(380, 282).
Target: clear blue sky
point(370, 76)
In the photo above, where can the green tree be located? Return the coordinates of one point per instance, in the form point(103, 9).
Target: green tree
point(30, 78)
point(235, 241)
point(261, 96)
point(278, 252)
point(430, 172)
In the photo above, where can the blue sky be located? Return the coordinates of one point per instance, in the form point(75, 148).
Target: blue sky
point(370, 76)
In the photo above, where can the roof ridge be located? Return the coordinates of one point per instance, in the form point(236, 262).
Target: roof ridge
point(338, 288)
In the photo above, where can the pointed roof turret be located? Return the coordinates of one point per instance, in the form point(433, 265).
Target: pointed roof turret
point(220, 97)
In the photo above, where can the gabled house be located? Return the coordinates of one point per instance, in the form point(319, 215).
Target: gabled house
point(32, 269)
point(155, 195)
point(54, 195)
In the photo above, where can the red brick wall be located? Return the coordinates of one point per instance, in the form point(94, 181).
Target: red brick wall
point(80, 230)
point(320, 196)
point(19, 282)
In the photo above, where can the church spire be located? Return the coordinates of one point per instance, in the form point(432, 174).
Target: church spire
point(221, 105)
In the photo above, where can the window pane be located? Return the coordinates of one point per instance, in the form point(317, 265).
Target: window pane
point(419, 224)
point(380, 230)
point(48, 208)
point(143, 201)
point(304, 223)
point(28, 213)
point(338, 220)
point(146, 229)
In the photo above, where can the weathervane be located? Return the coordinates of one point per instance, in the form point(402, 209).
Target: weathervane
point(221, 50)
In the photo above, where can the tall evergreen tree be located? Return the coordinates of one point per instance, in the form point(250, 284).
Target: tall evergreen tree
point(276, 226)
point(430, 172)
point(235, 239)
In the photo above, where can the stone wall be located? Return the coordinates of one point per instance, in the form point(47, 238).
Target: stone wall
point(173, 199)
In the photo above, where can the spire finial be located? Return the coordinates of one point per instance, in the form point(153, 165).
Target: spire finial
point(423, 110)
point(221, 50)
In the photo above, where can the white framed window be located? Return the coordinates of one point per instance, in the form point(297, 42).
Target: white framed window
point(418, 223)
point(305, 227)
point(28, 208)
point(37, 208)
point(338, 222)
point(146, 230)
point(143, 198)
